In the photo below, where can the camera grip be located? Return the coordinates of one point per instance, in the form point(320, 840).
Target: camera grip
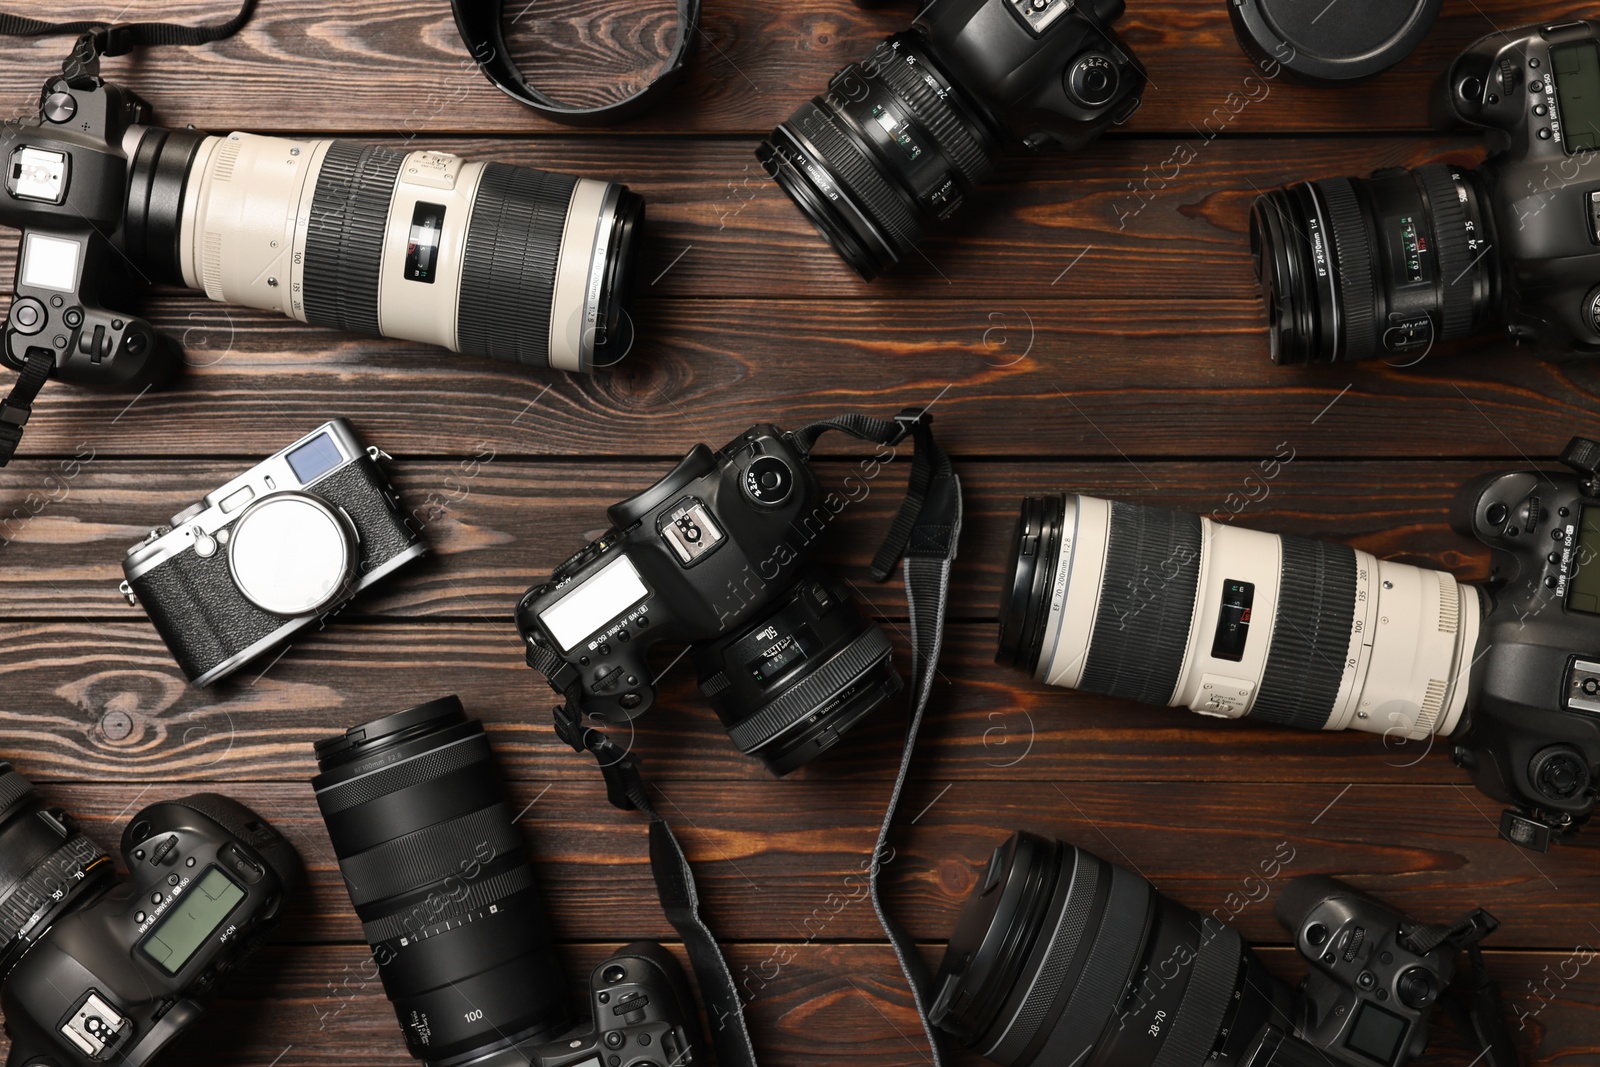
point(199, 612)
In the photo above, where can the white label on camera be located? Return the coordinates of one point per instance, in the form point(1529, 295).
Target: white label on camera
point(50, 263)
point(606, 594)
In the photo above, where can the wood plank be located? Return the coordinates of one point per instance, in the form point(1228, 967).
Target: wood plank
point(339, 66)
point(796, 877)
point(299, 1006)
point(1088, 379)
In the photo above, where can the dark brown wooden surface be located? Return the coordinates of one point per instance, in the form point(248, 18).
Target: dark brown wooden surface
point(1089, 322)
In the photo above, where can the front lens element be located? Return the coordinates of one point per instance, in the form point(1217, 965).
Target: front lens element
point(441, 880)
point(486, 259)
point(789, 685)
point(46, 866)
point(892, 147)
point(1167, 607)
point(1061, 958)
point(1387, 266)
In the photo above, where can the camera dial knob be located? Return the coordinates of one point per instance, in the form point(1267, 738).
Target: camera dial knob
point(1559, 773)
point(1583, 456)
point(769, 481)
point(1417, 988)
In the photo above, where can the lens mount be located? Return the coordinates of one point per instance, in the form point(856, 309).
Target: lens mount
point(1026, 592)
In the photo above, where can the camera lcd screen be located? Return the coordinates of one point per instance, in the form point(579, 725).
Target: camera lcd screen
point(315, 458)
point(50, 262)
point(1583, 588)
point(1376, 1034)
point(1577, 78)
point(196, 916)
point(607, 593)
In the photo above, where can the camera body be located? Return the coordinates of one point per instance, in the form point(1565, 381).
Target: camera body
point(1535, 90)
point(1048, 72)
point(1532, 735)
point(642, 1015)
point(1371, 987)
point(717, 555)
point(271, 551)
point(121, 976)
point(66, 189)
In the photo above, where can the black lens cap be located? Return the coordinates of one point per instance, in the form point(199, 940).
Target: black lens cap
point(1331, 43)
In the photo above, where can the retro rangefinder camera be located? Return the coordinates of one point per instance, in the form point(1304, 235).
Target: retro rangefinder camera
point(717, 555)
point(287, 542)
point(98, 970)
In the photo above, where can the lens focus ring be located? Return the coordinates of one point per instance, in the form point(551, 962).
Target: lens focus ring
point(841, 155)
point(910, 84)
point(1449, 220)
point(427, 855)
point(1310, 636)
point(44, 883)
point(1353, 266)
point(811, 693)
point(344, 236)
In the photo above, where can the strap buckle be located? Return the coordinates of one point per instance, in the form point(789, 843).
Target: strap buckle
point(15, 414)
point(908, 421)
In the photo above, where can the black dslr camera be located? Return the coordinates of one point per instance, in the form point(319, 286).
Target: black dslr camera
point(419, 245)
point(1060, 957)
point(97, 969)
point(1532, 736)
point(1391, 265)
point(899, 140)
point(718, 555)
point(439, 874)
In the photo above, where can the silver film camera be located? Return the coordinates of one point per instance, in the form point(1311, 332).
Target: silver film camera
point(290, 540)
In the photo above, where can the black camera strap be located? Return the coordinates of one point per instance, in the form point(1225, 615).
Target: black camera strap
point(81, 70)
point(1482, 1018)
point(924, 534)
point(480, 24)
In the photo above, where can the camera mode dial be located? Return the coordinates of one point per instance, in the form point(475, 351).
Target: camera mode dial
point(1092, 81)
point(769, 481)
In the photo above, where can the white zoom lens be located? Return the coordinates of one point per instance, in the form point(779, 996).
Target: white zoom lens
point(485, 259)
point(1168, 607)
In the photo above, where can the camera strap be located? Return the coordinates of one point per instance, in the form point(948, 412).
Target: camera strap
point(1482, 1018)
point(480, 23)
point(924, 534)
point(81, 69)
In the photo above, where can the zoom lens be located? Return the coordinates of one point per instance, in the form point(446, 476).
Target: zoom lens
point(1386, 266)
point(788, 686)
point(1061, 958)
point(1166, 607)
point(440, 878)
point(487, 259)
point(46, 866)
point(893, 146)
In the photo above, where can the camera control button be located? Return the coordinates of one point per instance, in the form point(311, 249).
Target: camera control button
point(1366, 979)
point(1540, 110)
point(1496, 514)
point(138, 917)
point(28, 316)
point(615, 1039)
point(1417, 988)
point(630, 1002)
point(155, 898)
point(1544, 133)
point(233, 858)
point(173, 879)
point(164, 851)
point(59, 107)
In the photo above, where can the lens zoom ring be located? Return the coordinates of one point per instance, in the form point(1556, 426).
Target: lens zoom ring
point(909, 82)
point(1205, 1001)
point(858, 170)
point(478, 895)
point(344, 238)
point(431, 764)
point(1448, 218)
point(508, 267)
point(36, 892)
point(1353, 266)
point(800, 701)
point(1141, 627)
point(419, 859)
point(13, 787)
point(1041, 996)
point(1311, 635)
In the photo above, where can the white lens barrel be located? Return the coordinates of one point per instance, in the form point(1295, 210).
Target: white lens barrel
point(480, 258)
point(1150, 605)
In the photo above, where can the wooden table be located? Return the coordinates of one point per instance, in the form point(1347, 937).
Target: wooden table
point(1088, 322)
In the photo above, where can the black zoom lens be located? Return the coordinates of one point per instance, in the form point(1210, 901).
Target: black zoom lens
point(893, 146)
point(45, 866)
point(788, 686)
point(1355, 268)
point(440, 877)
point(1061, 958)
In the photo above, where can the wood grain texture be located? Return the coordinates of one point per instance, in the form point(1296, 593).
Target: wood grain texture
point(401, 67)
point(1087, 322)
